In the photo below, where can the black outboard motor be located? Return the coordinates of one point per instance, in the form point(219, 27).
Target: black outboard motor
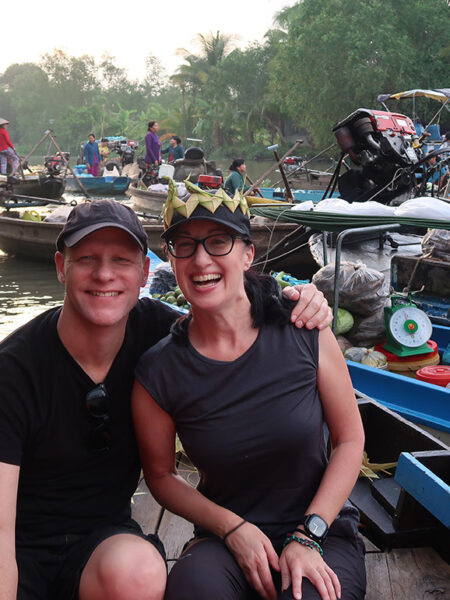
point(384, 150)
point(55, 164)
point(127, 151)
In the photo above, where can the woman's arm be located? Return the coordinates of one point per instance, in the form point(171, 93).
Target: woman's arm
point(155, 432)
point(9, 479)
point(347, 441)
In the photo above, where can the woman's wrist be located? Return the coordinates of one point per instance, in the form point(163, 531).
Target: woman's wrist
point(233, 529)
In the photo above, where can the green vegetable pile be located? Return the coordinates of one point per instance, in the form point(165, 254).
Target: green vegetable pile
point(173, 297)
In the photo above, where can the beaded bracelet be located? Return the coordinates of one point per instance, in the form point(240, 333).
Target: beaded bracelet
point(291, 537)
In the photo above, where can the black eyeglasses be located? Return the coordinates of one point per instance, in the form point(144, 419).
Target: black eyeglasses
point(97, 401)
point(218, 244)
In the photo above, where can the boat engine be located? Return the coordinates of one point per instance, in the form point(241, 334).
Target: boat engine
point(127, 151)
point(292, 163)
point(55, 164)
point(384, 150)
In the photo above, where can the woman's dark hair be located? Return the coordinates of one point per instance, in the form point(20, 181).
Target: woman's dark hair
point(150, 125)
point(268, 305)
point(93, 135)
point(177, 139)
point(104, 140)
point(237, 162)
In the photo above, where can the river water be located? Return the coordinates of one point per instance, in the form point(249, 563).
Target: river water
point(29, 287)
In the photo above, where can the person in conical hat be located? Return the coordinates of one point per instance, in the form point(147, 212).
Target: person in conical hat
point(7, 150)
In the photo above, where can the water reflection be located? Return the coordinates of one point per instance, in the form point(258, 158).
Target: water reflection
point(27, 288)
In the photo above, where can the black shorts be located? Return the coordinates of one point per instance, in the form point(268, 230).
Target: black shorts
point(50, 568)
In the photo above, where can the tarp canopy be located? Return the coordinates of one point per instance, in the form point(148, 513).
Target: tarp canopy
point(338, 221)
point(441, 95)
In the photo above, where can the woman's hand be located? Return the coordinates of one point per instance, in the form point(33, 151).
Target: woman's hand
point(255, 555)
point(297, 561)
point(312, 309)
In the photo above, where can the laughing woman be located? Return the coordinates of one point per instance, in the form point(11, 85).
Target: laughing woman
point(249, 396)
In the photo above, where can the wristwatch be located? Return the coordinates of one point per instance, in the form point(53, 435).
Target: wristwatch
point(315, 527)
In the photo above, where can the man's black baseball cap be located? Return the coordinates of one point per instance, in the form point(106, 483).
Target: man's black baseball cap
point(97, 214)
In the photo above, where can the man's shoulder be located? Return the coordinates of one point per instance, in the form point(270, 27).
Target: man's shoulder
point(30, 341)
point(151, 312)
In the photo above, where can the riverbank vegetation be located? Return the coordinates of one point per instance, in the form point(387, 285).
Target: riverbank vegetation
point(322, 60)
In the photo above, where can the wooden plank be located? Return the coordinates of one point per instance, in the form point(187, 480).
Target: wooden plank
point(173, 530)
point(144, 509)
point(378, 583)
point(424, 484)
point(418, 573)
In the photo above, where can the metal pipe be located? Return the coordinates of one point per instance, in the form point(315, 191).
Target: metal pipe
point(337, 260)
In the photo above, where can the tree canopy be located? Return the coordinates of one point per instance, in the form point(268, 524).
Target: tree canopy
point(321, 61)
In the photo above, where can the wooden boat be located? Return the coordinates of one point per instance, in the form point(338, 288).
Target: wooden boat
point(309, 179)
point(37, 239)
point(151, 202)
point(35, 185)
point(389, 515)
point(101, 186)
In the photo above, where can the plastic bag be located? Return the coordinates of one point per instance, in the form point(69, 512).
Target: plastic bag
point(375, 359)
point(355, 354)
point(375, 209)
point(368, 331)
point(424, 207)
point(437, 244)
point(343, 343)
point(334, 205)
point(307, 205)
point(362, 290)
point(163, 279)
point(367, 356)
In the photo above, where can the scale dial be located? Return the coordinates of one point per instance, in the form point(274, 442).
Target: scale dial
point(410, 326)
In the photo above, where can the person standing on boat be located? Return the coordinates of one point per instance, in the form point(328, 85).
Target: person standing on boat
point(92, 156)
point(175, 151)
point(236, 180)
point(7, 150)
point(153, 145)
point(104, 149)
point(68, 456)
point(270, 512)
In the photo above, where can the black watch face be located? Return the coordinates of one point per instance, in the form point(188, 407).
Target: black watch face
point(317, 526)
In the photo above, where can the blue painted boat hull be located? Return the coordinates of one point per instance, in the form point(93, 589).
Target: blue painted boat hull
point(414, 474)
point(99, 185)
point(299, 195)
point(415, 400)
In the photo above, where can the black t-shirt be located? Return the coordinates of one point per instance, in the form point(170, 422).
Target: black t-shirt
point(65, 487)
point(253, 426)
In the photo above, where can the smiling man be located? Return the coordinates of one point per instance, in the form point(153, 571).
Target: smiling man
point(69, 464)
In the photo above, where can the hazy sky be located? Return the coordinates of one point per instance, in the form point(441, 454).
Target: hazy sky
point(129, 29)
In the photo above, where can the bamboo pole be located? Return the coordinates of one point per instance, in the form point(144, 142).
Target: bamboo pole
point(66, 162)
point(272, 168)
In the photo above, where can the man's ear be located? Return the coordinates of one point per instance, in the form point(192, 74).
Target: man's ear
point(146, 270)
point(59, 262)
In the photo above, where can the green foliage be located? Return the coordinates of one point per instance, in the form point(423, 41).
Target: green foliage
point(325, 59)
point(340, 54)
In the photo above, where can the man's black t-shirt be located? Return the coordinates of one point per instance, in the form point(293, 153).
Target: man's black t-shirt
point(65, 487)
